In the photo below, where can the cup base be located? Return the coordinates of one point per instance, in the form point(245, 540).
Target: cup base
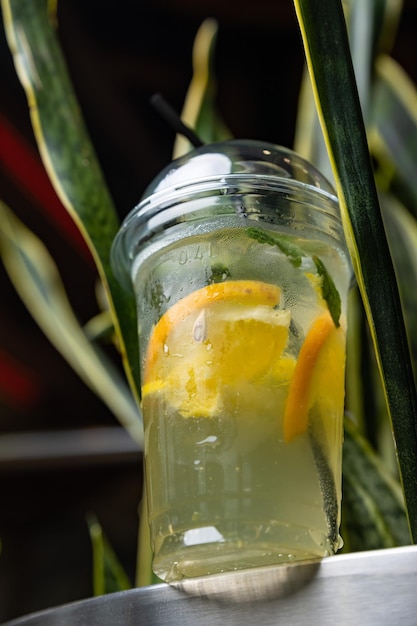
point(258, 584)
point(202, 552)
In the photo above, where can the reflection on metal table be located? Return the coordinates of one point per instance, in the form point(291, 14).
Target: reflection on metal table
point(366, 588)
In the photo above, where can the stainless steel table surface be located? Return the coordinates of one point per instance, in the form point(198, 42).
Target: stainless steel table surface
point(375, 588)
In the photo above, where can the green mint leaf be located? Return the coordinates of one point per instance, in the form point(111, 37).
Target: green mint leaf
point(329, 291)
point(219, 273)
point(289, 248)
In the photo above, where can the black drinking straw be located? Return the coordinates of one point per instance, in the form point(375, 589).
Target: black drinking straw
point(172, 118)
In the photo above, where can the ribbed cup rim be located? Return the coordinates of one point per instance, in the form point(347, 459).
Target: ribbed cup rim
point(132, 232)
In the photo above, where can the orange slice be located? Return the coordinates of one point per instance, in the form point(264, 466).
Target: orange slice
point(240, 292)
point(223, 337)
point(298, 402)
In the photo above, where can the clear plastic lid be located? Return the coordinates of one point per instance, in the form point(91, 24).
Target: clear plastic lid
point(229, 169)
point(241, 157)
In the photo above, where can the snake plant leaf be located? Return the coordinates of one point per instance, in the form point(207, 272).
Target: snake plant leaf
point(373, 511)
point(100, 327)
point(144, 574)
point(308, 138)
point(364, 396)
point(68, 155)
point(387, 15)
point(199, 110)
point(355, 383)
point(327, 50)
point(401, 228)
point(37, 281)
point(372, 25)
point(361, 26)
point(393, 139)
point(109, 575)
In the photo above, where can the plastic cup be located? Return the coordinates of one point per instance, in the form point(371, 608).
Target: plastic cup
point(240, 270)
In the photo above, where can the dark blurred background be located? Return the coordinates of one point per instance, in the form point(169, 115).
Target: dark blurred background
point(118, 56)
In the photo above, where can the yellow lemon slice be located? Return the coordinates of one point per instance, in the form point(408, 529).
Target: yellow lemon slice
point(321, 354)
point(214, 338)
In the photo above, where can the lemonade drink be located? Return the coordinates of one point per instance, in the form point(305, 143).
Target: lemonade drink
point(243, 389)
point(241, 288)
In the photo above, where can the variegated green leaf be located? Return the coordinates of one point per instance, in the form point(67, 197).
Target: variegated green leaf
point(68, 155)
point(361, 28)
point(401, 229)
point(144, 573)
point(100, 327)
point(387, 15)
point(326, 44)
point(373, 513)
point(37, 281)
point(109, 575)
point(393, 138)
point(356, 384)
point(372, 25)
point(199, 111)
point(308, 139)
point(364, 391)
